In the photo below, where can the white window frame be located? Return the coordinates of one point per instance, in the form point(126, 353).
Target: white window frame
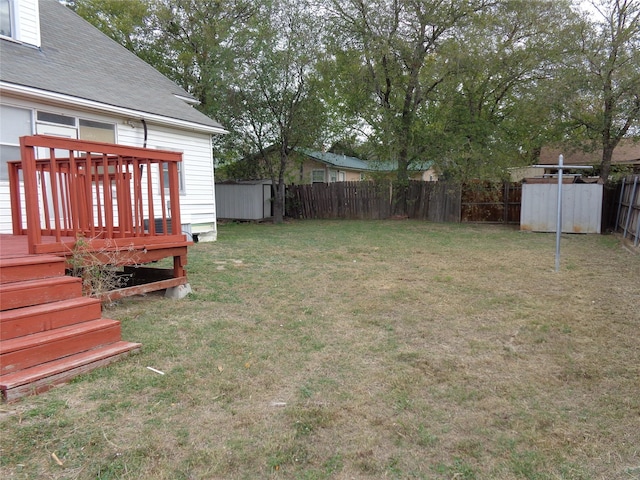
point(315, 173)
point(72, 121)
point(85, 122)
point(164, 170)
point(4, 175)
point(12, 19)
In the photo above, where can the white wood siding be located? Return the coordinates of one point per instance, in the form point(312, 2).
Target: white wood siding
point(27, 22)
point(197, 204)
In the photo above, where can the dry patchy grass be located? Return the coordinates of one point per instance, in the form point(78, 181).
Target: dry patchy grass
point(318, 350)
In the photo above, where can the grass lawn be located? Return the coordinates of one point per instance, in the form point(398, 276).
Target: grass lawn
point(348, 350)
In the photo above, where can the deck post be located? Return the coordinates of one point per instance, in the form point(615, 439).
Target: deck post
point(34, 234)
point(14, 194)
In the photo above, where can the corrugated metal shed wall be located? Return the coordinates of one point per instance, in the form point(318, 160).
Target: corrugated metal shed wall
point(581, 207)
point(243, 201)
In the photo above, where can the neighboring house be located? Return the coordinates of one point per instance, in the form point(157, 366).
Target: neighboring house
point(61, 76)
point(626, 154)
point(325, 167)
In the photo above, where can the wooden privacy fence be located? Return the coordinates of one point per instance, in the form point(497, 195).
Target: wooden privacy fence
point(491, 202)
point(346, 200)
point(628, 214)
point(111, 195)
point(432, 201)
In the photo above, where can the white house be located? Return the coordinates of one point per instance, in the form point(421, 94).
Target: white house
point(59, 75)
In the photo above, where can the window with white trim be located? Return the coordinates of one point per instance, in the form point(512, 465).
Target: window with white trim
point(86, 129)
point(16, 122)
point(165, 173)
point(96, 131)
point(6, 18)
point(317, 176)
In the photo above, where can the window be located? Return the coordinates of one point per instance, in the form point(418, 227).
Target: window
point(333, 176)
point(84, 129)
point(57, 119)
point(165, 173)
point(6, 18)
point(317, 176)
point(16, 122)
point(97, 131)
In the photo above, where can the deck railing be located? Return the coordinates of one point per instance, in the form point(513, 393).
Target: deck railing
point(111, 195)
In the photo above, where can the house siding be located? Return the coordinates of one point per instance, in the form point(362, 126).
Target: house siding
point(197, 204)
point(27, 22)
point(308, 166)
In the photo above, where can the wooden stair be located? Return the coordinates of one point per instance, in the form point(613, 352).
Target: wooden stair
point(49, 332)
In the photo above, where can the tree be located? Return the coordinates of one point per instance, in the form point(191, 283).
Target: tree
point(603, 81)
point(272, 93)
point(491, 111)
point(190, 41)
point(389, 51)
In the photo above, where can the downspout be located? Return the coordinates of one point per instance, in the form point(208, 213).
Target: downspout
point(144, 125)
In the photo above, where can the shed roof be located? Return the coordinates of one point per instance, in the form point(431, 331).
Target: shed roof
point(78, 60)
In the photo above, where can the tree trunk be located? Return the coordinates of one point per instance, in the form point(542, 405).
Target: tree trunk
point(605, 165)
point(278, 202)
point(402, 184)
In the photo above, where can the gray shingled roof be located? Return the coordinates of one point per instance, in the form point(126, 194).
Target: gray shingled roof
point(77, 59)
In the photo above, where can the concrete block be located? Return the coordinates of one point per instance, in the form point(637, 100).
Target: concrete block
point(176, 293)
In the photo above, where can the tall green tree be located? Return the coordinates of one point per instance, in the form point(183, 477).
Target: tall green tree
point(602, 82)
point(190, 41)
point(492, 111)
point(273, 90)
point(391, 50)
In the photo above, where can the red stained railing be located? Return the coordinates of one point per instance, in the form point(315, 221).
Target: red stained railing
point(111, 195)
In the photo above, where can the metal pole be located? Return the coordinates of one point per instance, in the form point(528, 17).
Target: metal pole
point(559, 220)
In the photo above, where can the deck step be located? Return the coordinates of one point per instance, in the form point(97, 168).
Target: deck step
point(34, 292)
point(17, 269)
point(38, 348)
point(40, 378)
point(48, 316)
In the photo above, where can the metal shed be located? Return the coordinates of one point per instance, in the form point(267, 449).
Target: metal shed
point(581, 207)
point(248, 200)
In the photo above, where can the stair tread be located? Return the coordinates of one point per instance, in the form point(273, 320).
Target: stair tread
point(38, 372)
point(19, 343)
point(6, 288)
point(28, 293)
point(17, 269)
point(29, 260)
point(47, 307)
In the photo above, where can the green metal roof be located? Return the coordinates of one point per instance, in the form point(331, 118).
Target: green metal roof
point(353, 163)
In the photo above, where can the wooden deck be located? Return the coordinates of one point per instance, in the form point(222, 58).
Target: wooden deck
point(78, 204)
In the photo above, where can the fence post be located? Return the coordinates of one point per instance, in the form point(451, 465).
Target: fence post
point(632, 199)
point(620, 203)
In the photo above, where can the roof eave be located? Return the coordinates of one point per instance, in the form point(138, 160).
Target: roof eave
point(68, 100)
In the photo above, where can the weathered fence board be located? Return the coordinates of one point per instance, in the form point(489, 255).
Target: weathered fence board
point(433, 201)
point(491, 202)
point(628, 215)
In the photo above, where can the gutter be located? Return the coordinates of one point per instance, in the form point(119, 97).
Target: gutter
point(68, 100)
